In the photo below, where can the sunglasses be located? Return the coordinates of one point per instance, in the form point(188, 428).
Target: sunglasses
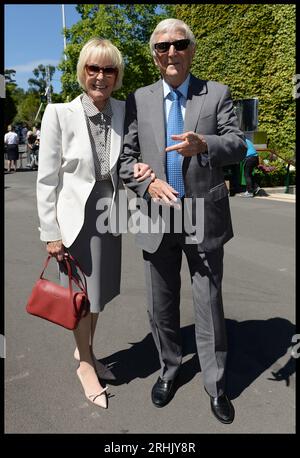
point(179, 45)
point(93, 70)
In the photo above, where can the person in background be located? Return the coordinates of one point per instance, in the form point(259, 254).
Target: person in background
point(186, 130)
point(11, 142)
point(37, 130)
point(251, 161)
point(32, 147)
point(24, 131)
point(78, 166)
point(18, 130)
point(232, 173)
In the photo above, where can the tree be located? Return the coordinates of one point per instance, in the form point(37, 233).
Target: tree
point(10, 75)
point(250, 47)
point(57, 98)
point(39, 83)
point(16, 92)
point(10, 105)
point(28, 109)
point(21, 106)
point(10, 108)
point(129, 27)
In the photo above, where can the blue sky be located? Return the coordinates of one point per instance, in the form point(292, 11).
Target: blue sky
point(33, 36)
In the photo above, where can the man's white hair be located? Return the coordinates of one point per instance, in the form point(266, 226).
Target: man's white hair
point(169, 25)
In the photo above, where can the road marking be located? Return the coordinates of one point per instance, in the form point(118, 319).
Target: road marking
point(17, 377)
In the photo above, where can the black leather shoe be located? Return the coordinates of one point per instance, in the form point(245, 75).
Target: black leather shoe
point(162, 392)
point(222, 408)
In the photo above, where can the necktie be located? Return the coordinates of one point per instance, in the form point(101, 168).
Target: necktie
point(174, 159)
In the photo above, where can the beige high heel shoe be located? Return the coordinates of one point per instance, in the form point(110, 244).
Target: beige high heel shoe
point(100, 399)
point(102, 370)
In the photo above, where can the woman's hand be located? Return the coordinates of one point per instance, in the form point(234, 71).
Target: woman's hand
point(56, 249)
point(142, 171)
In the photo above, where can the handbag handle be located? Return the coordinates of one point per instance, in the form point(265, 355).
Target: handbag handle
point(82, 285)
point(79, 283)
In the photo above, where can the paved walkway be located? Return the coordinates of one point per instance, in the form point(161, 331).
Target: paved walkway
point(42, 392)
point(277, 193)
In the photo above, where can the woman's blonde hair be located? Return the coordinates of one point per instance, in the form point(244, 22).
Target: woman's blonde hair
point(100, 48)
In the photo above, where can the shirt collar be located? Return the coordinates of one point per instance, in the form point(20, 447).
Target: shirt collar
point(183, 88)
point(91, 110)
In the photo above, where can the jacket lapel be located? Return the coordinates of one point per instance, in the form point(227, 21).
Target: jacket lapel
point(78, 122)
point(156, 114)
point(116, 130)
point(195, 98)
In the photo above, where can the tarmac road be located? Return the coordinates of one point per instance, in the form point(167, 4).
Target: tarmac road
point(42, 392)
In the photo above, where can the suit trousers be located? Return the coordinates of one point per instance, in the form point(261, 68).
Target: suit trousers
point(163, 282)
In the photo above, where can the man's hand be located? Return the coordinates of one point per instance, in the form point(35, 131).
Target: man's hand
point(159, 190)
point(142, 171)
point(191, 145)
point(56, 249)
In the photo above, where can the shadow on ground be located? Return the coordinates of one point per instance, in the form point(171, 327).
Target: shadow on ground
point(6, 172)
point(253, 347)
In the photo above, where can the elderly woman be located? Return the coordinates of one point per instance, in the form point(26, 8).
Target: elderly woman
point(80, 145)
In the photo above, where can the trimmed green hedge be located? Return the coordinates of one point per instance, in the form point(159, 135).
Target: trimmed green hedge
point(252, 49)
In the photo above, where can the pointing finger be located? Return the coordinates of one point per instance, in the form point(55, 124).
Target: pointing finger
point(175, 147)
point(178, 137)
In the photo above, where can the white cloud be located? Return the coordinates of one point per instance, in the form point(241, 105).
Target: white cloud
point(25, 68)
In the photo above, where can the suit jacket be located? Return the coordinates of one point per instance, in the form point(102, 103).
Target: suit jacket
point(209, 111)
point(66, 172)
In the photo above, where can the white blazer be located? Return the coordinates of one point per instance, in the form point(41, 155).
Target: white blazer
point(66, 172)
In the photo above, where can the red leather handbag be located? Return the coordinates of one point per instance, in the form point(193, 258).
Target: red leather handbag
point(57, 304)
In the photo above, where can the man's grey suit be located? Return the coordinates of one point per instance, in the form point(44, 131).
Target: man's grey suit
point(209, 111)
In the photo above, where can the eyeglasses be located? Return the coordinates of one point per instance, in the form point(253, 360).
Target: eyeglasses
point(93, 70)
point(179, 45)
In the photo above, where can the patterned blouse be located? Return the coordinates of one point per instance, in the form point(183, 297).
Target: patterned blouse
point(99, 128)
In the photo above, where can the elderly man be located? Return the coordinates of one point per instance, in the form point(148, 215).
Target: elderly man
point(197, 117)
